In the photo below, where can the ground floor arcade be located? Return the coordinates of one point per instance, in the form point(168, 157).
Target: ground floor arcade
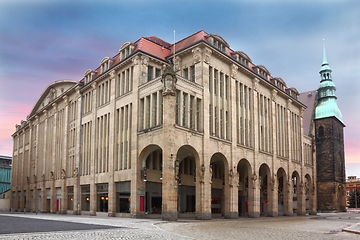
point(180, 186)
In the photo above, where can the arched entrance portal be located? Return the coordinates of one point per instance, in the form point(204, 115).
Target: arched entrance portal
point(218, 179)
point(152, 176)
point(264, 173)
point(186, 179)
point(244, 170)
point(296, 192)
point(282, 193)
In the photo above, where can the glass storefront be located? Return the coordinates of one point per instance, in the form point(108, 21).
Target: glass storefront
point(123, 197)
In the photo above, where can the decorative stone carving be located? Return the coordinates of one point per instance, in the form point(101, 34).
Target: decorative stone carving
point(234, 69)
point(253, 178)
point(260, 182)
point(302, 187)
point(273, 94)
point(202, 173)
point(27, 180)
point(211, 173)
point(135, 60)
point(35, 179)
point(233, 178)
point(177, 63)
point(176, 172)
point(196, 55)
point(207, 53)
point(255, 83)
point(288, 103)
point(52, 178)
point(273, 183)
point(289, 183)
point(63, 174)
point(144, 60)
point(112, 74)
point(169, 80)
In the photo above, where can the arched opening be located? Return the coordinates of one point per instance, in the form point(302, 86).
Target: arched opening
point(218, 181)
point(282, 193)
point(152, 176)
point(186, 161)
point(308, 193)
point(264, 175)
point(244, 170)
point(296, 191)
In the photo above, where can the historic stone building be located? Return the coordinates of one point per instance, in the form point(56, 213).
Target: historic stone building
point(329, 137)
point(186, 129)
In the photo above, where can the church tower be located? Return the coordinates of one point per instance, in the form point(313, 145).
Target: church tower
point(329, 135)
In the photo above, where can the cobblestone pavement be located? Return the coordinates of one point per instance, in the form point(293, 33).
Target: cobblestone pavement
point(322, 226)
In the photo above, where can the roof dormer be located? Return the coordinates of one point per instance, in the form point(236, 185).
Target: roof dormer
point(293, 92)
point(218, 42)
point(242, 58)
point(263, 71)
point(89, 76)
point(105, 64)
point(279, 82)
point(126, 50)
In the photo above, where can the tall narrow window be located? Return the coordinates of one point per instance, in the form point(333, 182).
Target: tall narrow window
point(186, 73)
point(192, 73)
point(150, 73)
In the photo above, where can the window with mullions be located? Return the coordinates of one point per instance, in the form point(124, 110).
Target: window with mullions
point(150, 73)
point(186, 73)
point(192, 73)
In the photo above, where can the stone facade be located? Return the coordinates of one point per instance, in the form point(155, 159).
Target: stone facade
point(211, 134)
point(331, 179)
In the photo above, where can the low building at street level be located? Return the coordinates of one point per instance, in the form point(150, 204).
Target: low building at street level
point(186, 129)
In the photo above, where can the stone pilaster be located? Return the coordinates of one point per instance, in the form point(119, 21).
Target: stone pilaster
point(170, 164)
point(301, 209)
point(273, 197)
point(254, 197)
point(233, 211)
point(288, 199)
point(93, 199)
point(64, 194)
point(111, 184)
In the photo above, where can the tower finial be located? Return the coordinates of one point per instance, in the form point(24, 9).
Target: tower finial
point(324, 53)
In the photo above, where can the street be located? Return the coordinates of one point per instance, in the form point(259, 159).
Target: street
point(55, 226)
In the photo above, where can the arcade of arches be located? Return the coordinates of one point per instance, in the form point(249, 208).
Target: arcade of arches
point(217, 189)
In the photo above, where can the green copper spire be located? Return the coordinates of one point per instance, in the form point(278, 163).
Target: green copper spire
point(326, 98)
point(325, 64)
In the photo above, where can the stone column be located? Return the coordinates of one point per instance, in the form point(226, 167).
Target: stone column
point(64, 193)
point(254, 197)
point(28, 201)
point(288, 198)
point(52, 194)
point(76, 211)
point(203, 212)
point(35, 197)
point(111, 184)
point(301, 202)
point(43, 194)
point(273, 210)
point(112, 199)
point(233, 211)
point(170, 165)
point(93, 199)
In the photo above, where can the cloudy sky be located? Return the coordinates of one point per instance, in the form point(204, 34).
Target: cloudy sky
point(45, 41)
